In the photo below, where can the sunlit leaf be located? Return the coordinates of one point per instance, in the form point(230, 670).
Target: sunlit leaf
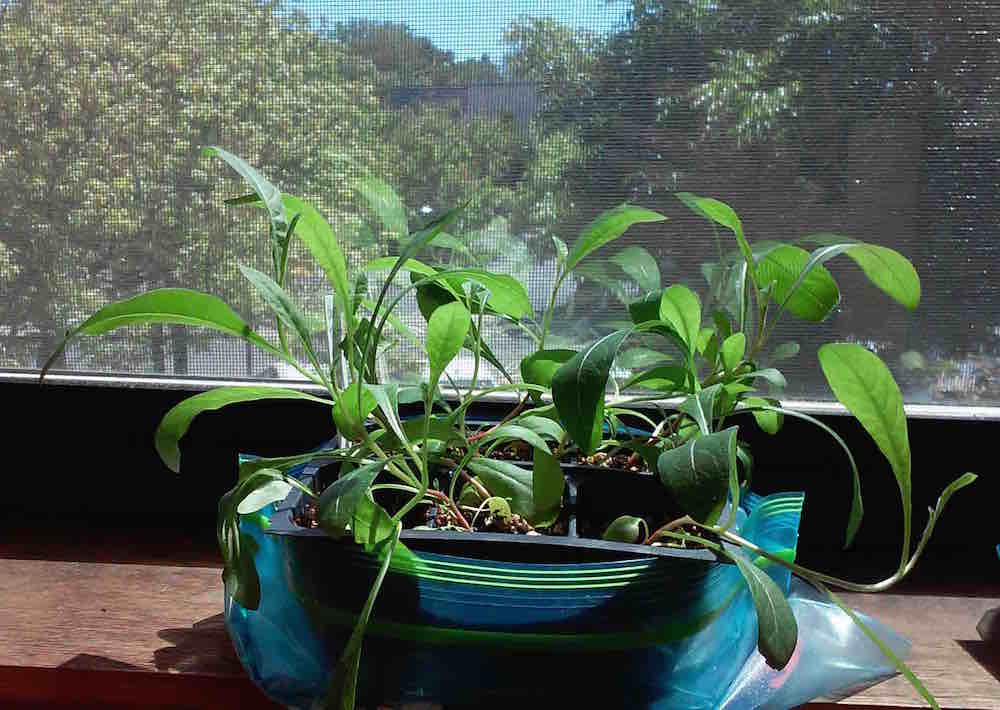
point(176, 306)
point(733, 349)
point(607, 227)
point(889, 270)
point(540, 367)
point(176, 422)
point(811, 297)
point(681, 308)
point(446, 332)
point(640, 265)
point(283, 306)
point(863, 384)
point(347, 417)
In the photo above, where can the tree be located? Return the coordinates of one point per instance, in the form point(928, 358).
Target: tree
point(103, 112)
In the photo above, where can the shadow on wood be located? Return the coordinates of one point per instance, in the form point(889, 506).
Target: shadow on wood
point(204, 647)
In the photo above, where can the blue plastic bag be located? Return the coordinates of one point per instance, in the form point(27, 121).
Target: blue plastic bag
point(638, 632)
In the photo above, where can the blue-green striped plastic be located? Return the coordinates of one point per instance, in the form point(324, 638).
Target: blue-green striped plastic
point(633, 632)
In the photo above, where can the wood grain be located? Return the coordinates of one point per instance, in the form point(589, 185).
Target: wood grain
point(152, 636)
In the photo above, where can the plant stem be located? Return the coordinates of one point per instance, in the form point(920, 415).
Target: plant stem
point(672, 525)
point(507, 417)
point(547, 318)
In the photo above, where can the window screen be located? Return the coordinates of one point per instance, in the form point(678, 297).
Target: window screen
point(875, 120)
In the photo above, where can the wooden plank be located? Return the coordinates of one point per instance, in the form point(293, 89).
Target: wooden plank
point(66, 627)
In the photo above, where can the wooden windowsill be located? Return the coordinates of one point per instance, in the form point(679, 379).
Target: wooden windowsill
point(112, 634)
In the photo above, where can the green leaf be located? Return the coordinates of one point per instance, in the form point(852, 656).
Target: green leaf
point(889, 270)
point(540, 367)
point(777, 630)
point(809, 294)
point(639, 357)
point(722, 325)
point(698, 473)
point(504, 479)
point(410, 249)
point(645, 309)
point(507, 295)
point(450, 241)
point(348, 419)
point(578, 390)
point(283, 306)
point(507, 432)
point(439, 428)
point(625, 528)
point(680, 307)
point(446, 331)
point(607, 227)
point(701, 407)
point(338, 503)
point(176, 306)
point(262, 187)
point(386, 204)
point(314, 231)
point(387, 397)
point(371, 523)
point(733, 349)
point(598, 273)
point(240, 574)
point(769, 420)
point(269, 492)
point(176, 422)
point(547, 486)
point(770, 374)
point(342, 691)
point(543, 426)
point(640, 265)
point(863, 384)
point(785, 351)
point(720, 213)
point(665, 378)
point(249, 465)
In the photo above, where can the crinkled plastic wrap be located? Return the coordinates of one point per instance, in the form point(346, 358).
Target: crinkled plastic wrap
point(461, 632)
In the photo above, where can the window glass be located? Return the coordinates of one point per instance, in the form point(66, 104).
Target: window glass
point(874, 120)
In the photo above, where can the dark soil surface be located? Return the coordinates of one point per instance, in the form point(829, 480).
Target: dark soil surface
point(580, 520)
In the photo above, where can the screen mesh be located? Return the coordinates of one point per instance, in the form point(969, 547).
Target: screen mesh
point(875, 120)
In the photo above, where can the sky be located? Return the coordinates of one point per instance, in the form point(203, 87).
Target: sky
point(469, 28)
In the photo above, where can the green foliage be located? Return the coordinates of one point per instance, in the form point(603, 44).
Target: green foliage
point(863, 384)
point(167, 305)
point(710, 369)
point(698, 474)
point(625, 528)
point(681, 308)
point(175, 422)
point(446, 331)
point(578, 390)
point(777, 630)
point(540, 367)
point(606, 228)
point(339, 502)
